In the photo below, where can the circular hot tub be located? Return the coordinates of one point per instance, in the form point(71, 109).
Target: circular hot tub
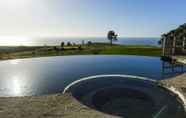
point(126, 96)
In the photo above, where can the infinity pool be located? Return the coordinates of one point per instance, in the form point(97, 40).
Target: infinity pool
point(49, 75)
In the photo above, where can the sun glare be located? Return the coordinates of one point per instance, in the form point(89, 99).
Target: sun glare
point(14, 41)
point(16, 87)
point(15, 2)
point(14, 62)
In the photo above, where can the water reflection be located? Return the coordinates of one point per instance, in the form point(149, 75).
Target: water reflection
point(172, 69)
point(16, 86)
point(40, 76)
point(15, 62)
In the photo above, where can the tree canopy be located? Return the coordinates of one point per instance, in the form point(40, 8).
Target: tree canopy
point(179, 32)
point(112, 36)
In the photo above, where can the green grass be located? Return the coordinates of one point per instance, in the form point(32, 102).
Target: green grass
point(132, 50)
point(94, 49)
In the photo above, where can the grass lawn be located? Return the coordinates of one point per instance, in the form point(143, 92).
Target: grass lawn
point(93, 49)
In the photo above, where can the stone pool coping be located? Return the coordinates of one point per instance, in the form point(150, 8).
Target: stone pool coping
point(64, 105)
point(177, 85)
point(50, 106)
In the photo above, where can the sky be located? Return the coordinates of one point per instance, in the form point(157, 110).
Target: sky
point(89, 18)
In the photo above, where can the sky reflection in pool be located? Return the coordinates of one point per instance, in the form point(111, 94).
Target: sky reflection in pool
point(40, 76)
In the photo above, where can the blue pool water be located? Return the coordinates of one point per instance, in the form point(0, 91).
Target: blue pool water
point(40, 76)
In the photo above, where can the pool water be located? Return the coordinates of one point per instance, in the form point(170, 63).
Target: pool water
point(50, 75)
point(126, 96)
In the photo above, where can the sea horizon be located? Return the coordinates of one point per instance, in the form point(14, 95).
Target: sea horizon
point(53, 41)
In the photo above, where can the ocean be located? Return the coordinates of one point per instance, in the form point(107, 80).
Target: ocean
point(28, 41)
point(123, 41)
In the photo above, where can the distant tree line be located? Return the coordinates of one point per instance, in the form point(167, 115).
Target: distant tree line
point(70, 46)
point(111, 36)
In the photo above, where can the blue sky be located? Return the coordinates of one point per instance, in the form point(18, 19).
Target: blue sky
point(90, 18)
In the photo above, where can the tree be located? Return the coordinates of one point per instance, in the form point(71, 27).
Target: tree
point(69, 43)
point(79, 47)
point(89, 43)
point(55, 48)
point(62, 44)
point(112, 36)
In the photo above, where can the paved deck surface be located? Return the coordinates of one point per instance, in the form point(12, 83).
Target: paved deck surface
point(52, 106)
point(178, 82)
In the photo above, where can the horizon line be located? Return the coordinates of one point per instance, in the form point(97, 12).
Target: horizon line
point(76, 37)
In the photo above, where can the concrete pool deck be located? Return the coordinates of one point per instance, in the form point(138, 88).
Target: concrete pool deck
point(59, 106)
point(178, 82)
point(177, 85)
point(51, 106)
